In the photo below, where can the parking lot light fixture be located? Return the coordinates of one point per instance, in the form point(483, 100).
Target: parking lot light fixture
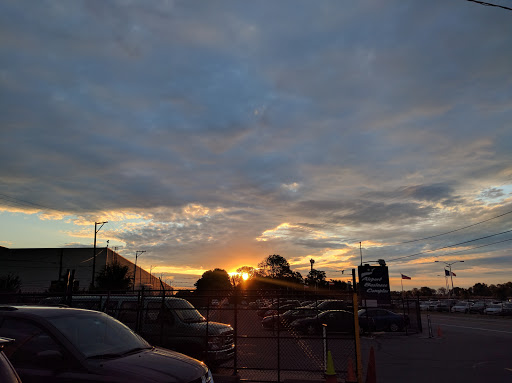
point(449, 264)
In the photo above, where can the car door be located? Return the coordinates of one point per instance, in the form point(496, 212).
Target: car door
point(381, 319)
point(338, 321)
point(38, 357)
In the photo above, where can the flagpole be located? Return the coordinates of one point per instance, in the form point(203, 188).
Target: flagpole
point(402, 283)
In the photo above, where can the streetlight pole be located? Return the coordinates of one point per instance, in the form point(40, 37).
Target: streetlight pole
point(137, 253)
point(94, 251)
point(449, 264)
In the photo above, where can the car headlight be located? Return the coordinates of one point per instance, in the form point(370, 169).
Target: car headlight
point(215, 343)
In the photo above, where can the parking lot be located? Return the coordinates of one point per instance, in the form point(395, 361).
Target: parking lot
point(469, 348)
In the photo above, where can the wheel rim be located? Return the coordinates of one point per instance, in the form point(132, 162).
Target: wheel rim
point(394, 327)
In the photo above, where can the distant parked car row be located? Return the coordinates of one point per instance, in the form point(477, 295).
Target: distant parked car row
point(479, 307)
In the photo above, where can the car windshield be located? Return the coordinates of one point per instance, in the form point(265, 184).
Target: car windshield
point(98, 335)
point(186, 312)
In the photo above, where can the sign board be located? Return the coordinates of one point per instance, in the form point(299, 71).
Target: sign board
point(374, 283)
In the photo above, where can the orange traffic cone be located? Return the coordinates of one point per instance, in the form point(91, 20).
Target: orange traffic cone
point(371, 374)
point(351, 376)
point(439, 332)
point(330, 374)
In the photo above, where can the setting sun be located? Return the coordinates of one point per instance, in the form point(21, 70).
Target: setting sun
point(245, 276)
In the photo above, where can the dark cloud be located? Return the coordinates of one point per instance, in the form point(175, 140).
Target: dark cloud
point(349, 122)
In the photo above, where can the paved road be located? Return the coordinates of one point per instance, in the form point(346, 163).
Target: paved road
point(470, 348)
point(464, 348)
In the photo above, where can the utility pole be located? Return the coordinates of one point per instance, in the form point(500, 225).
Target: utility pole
point(137, 253)
point(94, 254)
point(361, 252)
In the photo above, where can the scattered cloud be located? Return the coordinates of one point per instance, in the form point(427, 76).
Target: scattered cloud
point(214, 136)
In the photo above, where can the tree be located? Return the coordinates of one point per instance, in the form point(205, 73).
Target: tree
point(481, 290)
point(217, 279)
point(114, 277)
point(316, 278)
point(274, 266)
point(237, 278)
point(10, 283)
point(275, 272)
point(339, 285)
point(426, 291)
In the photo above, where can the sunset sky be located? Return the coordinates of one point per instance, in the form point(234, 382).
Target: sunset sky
point(215, 133)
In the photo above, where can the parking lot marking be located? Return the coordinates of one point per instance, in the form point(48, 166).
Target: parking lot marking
point(478, 328)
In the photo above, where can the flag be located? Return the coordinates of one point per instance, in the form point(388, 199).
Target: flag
point(405, 276)
point(447, 273)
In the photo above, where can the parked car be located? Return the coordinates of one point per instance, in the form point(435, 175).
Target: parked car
point(312, 309)
point(478, 307)
point(7, 372)
point(173, 323)
point(506, 309)
point(271, 321)
point(58, 344)
point(443, 307)
point(280, 306)
point(432, 305)
point(335, 320)
point(461, 307)
point(494, 309)
point(277, 311)
point(377, 319)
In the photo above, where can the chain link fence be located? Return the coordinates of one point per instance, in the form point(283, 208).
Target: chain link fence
point(260, 336)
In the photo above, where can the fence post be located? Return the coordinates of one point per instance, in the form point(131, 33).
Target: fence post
point(278, 339)
point(418, 314)
point(357, 340)
point(235, 362)
point(208, 301)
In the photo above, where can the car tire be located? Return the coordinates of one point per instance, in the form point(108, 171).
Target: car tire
point(394, 327)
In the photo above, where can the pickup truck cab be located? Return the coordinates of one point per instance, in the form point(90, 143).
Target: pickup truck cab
point(170, 322)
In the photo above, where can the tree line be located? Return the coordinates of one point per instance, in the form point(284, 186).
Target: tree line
point(500, 291)
point(273, 272)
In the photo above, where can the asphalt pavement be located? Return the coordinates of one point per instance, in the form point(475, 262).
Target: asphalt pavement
point(462, 348)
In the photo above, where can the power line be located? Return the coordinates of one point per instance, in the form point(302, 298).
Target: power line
point(453, 231)
point(447, 247)
point(490, 4)
point(21, 202)
point(477, 247)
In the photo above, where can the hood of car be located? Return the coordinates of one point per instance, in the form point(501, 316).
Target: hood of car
point(214, 328)
point(156, 365)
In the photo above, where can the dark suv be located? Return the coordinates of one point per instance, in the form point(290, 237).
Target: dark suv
point(57, 344)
